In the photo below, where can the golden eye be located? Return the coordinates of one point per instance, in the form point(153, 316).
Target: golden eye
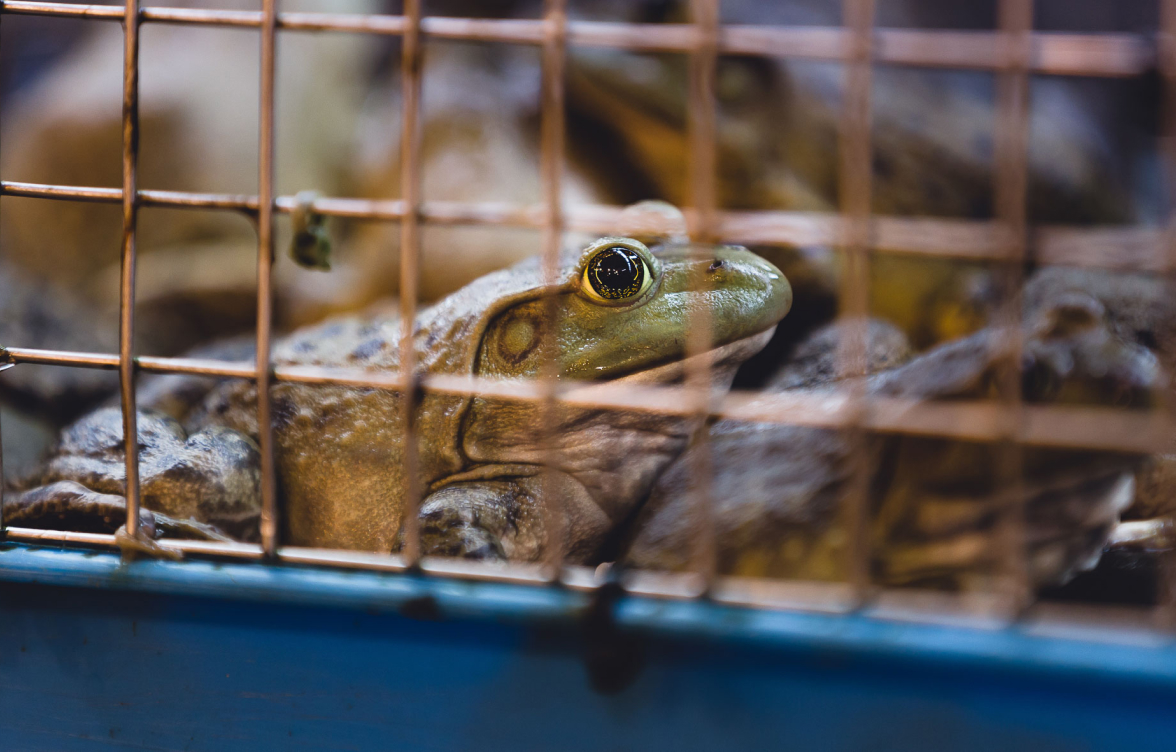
point(616, 274)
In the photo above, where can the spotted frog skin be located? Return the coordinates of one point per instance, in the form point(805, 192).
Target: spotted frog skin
point(623, 315)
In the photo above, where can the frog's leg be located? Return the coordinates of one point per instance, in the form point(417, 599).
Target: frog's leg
point(503, 518)
point(71, 506)
point(199, 486)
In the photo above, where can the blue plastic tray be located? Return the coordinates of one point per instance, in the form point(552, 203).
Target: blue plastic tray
point(206, 656)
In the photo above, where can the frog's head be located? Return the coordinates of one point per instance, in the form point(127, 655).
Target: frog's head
point(622, 309)
point(624, 313)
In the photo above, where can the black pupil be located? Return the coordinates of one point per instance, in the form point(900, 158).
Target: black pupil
point(616, 273)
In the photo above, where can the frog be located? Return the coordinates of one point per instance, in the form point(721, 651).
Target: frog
point(623, 315)
point(933, 505)
point(1139, 307)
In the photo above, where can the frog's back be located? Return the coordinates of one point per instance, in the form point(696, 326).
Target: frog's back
point(324, 433)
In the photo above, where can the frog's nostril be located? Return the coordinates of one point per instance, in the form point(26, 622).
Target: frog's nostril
point(716, 265)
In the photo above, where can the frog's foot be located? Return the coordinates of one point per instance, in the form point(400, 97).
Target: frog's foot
point(74, 507)
point(453, 531)
point(1067, 523)
point(170, 527)
point(67, 505)
point(206, 483)
point(448, 533)
point(471, 521)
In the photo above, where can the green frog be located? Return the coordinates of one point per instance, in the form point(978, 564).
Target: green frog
point(623, 315)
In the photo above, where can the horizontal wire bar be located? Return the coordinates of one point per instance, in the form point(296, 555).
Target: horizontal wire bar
point(908, 605)
point(1045, 425)
point(976, 610)
point(1111, 247)
point(1108, 54)
point(344, 559)
point(791, 595)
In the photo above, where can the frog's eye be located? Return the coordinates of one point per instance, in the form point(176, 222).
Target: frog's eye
point(616, 274)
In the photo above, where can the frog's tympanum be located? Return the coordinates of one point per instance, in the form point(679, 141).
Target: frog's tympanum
point(623, 314)
point(935, 505)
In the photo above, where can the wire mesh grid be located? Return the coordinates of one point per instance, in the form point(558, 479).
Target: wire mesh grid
point(1013, 52)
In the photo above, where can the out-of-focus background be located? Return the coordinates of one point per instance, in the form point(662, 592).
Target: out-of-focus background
point(1093, 161)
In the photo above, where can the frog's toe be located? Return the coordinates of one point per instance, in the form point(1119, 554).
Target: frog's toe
point(463, 542)
point(467, 520)
point(446, 532)
point(66, 505)
point(172, 527)
point(206, 483)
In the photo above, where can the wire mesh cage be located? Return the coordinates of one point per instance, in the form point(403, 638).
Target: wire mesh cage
point(1008, 425)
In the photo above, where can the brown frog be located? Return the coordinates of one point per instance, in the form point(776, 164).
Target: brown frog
point(623, 315)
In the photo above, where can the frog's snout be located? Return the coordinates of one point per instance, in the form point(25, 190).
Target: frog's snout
point(745, 293)
point(759, 292)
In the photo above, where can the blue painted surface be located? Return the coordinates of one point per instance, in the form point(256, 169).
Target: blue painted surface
point(203, 656)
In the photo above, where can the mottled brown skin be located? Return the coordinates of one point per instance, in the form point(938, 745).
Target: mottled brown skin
point(340, 453)
point(935, 505)
point(210, 477)
point(1141, 307)
point(776, 488)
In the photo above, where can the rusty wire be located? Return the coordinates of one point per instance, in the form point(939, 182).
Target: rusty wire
point(265, 260)
point(126, 305)
point(1051, 53)
point(410, 248)
point(971, 420)
point(702, 173)
point(855, 173)
point(1166, 582)
point(1011, 189)
point(1118, 247)
point(551, 168)
point(1013, 52)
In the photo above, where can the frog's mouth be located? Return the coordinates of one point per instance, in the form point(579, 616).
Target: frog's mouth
point(722, 360)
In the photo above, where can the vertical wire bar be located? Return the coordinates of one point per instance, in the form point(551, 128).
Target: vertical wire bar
point(410, 189)
point(551, 165)
point(265, 260)
point(1011, 199)
point(703, 166)
point(855, 178)
point(1166, 582)
point(126, 318)
point(2, 484)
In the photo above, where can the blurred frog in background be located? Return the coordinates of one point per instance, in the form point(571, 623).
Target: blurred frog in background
point(1092, 148)
point(934, 506)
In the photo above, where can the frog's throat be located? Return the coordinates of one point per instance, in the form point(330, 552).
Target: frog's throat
point(722, 361)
